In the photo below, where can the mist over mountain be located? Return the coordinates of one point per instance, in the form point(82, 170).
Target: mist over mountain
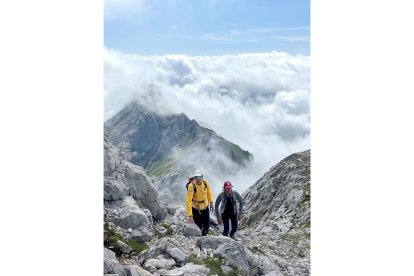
point(259, 101)
point(171, 147)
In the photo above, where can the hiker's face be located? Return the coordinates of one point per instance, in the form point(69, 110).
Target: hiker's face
point(199, 179)
point(227, 191)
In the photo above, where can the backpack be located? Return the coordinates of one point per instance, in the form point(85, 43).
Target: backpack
point(190, 180)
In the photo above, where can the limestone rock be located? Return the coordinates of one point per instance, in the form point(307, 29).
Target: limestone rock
point(149, 215)
point(276, 223)
point(111, 264)
point(142, 189)
point(171, 209)
point(123, 247)
point(189, 269)
point(122, 178)
point(212, 241)
point(111, 157)
point(236, 256)
point(274, 273)
point(168, 248)
point(132, 216)
point(160, 263)
point(267, 266)
point(281, 196)
point(191, 230)
point(136, 270)
point(179, 255)
point(114, 189)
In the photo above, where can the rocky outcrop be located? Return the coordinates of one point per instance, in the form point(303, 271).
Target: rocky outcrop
point(123, 179)
point(142, 190)
point(277, 219)
point(191, 230)
point(111, 158)
point(168, 248)
point(189, 269)
point(211, 242)
point(159, 263)
point(136, 270)
point(130, 216)
point(123, 247)
point(236, 256)
point(280, 200)
point(111, 264)
point(114, 189)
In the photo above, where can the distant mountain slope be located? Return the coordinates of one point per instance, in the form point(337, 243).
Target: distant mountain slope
point(171, 147)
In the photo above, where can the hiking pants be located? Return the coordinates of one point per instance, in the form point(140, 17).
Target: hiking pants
point(225, 217)
point(202, 220)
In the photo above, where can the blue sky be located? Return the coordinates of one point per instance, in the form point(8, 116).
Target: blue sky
point(207, 27)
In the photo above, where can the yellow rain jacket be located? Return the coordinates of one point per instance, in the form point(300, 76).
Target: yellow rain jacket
point(200, 199)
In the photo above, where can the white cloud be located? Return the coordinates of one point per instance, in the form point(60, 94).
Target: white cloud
point(259, 101)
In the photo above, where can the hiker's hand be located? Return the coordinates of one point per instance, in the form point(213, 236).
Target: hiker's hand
point(190, 220)
point(219, 221)
point(239, 217)
point(211, 208)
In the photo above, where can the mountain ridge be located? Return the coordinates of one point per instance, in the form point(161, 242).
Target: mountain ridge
point(170, 147)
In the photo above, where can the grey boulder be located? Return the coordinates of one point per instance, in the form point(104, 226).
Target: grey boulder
point(267, 266)
point(132, 216)
point(136, 270)
point(212, 241)
point(142, 189)
point(236, 256)
point(114, 189)
point(169, 248)
point(111, 264)
point(191, 230)
point(189, 269)
point(123, 247)
point(159, 263)
point(111, 157)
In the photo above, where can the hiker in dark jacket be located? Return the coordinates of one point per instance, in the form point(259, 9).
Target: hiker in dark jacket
point(228, 209)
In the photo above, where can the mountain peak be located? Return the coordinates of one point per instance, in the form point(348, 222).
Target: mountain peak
point(172, 145)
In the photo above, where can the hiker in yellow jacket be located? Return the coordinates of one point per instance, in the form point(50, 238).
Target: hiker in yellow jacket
point(198, 198)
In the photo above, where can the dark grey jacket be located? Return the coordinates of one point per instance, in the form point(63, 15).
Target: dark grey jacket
point(222, 197)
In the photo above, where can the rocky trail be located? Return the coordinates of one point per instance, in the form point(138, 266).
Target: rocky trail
point(143, 236)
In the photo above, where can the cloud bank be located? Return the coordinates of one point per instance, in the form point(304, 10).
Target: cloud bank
point(259, 101)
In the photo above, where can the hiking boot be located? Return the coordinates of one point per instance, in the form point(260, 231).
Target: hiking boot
point(204, 232)
point(232, 237)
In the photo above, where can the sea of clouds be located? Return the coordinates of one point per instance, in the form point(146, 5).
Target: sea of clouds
point(259, 101)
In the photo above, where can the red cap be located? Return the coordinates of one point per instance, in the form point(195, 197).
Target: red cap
point(227, 185)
